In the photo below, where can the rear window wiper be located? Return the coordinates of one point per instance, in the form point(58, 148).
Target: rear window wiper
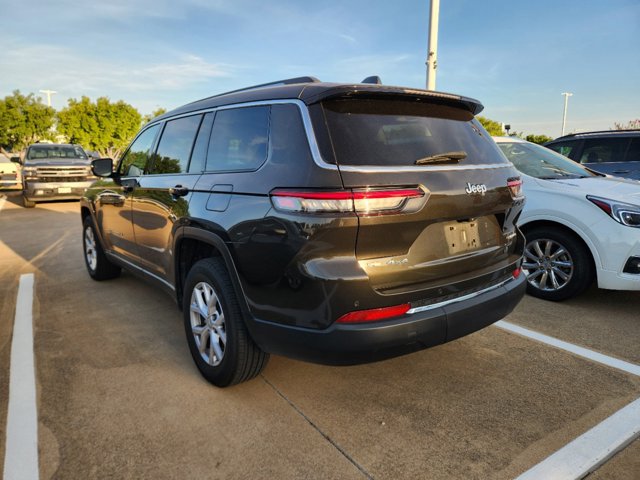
point(447, 157)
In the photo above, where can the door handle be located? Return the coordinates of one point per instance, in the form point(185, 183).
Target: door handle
point(620, 171)
point(178, 191)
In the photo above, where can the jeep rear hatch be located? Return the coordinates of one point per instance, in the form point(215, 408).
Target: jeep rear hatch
point(441, 193)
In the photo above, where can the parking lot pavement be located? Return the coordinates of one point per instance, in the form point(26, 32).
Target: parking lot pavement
point(118, 395)
point(624, 466)
point(603, 320)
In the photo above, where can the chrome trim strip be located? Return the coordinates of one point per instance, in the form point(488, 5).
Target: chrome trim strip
point(455, 300)
point(424, 169)
point(121, 259)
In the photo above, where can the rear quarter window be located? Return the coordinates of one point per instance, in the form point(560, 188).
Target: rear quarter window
point(239, 139)
point(398, 133)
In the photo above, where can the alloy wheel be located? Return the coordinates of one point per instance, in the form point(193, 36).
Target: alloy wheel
point(208, 323)
point(548, 264)
point(90, 248)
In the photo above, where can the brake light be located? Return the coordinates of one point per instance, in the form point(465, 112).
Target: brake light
point(374, 314)
point(515, 187)
point(360, 201)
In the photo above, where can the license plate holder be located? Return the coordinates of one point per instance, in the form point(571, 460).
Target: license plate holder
point(462, 236)
point(64, 189)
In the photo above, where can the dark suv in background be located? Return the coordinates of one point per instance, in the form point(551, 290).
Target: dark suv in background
point(331, 223)
point(613, 152)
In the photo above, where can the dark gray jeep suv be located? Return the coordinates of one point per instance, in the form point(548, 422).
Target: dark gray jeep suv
point(334, 223)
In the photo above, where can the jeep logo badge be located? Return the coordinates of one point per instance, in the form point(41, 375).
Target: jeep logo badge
point(473, 188)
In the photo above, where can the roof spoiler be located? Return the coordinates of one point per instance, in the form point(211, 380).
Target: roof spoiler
point(374, 90)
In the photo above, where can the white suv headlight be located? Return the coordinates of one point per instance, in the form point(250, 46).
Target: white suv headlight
point(624, 213)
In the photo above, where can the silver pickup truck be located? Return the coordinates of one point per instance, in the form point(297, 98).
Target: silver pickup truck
point(54, 172)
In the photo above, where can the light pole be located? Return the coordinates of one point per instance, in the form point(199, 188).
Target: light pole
point(48, 93)
point(564, 114)
point(432, 56)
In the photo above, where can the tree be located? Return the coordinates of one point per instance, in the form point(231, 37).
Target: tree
point(630, 125)
point(102, 126)
point(156, 113)
point(24, 120)
point(539, 139)
point(494, 128)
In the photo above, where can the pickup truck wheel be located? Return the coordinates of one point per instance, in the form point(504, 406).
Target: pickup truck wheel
point(557, 264)
point(218, 339)
point(27, 203)
point(98, 266)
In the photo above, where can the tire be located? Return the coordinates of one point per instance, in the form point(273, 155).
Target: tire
point(98, 266)
point(27, 203)
point(232, 357)
point(558, 265)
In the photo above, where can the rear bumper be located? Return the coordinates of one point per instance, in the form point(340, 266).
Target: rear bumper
point(343, 344)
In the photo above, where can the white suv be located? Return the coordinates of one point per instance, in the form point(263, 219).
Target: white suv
point(578, 224)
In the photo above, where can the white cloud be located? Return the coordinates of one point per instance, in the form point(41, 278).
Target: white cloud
point(34, 67)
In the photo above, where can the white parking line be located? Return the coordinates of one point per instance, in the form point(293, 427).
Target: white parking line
point(2, 200)
point(570, 347)
point(592, 449)
point(21, 449)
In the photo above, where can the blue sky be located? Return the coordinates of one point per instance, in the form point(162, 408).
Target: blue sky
point(516, 57)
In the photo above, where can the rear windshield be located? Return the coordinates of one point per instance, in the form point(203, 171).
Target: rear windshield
point(401, 133)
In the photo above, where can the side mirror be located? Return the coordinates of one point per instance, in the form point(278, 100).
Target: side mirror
point(102, 167)
point(16, 160)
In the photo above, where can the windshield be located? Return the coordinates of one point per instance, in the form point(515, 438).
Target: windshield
point(55, 151)
point(401, 133)
point(540, 162)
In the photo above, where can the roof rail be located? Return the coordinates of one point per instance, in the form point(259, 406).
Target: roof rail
point(287, 81)
point(598, 132)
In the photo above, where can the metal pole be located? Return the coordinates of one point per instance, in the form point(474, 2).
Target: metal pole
point(564, 114)
point(48, 93)
point(432, 57)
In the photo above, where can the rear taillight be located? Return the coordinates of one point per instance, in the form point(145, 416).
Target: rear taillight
point(374, 314)
point(360, 201)
point(515, 187)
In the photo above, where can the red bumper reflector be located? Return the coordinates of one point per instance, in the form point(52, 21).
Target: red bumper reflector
point(516, 272)
point(374, 314)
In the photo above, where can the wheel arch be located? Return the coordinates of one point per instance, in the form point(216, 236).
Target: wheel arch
point(569, 229)
point(193, 244)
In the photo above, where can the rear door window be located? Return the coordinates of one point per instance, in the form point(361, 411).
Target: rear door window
point(199, 155)
point(176, 143)
point(399, 133)
point(239, 139)
point(604, 150)
point(633, 154)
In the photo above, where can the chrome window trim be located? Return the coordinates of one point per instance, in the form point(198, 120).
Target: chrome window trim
point(120, 258)
point(456, 300)
point(430, 168)
point(306, 121)
point(315, 149)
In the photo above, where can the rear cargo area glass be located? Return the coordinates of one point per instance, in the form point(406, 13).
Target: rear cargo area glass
point(380, 132)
